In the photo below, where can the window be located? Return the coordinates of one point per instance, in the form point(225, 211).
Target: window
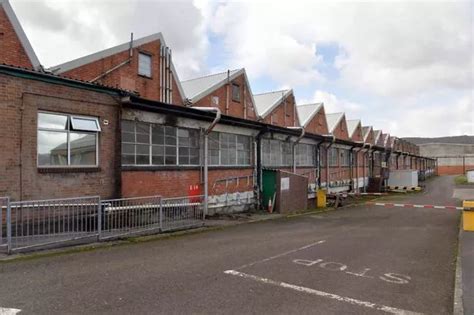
point(322, 156)
point(153, 144)
point(305, 154)
point(144, 64)
point(229, 149)
point(345, 157)
point(67, 140)
point(276, 153)
point(235, 92)
point(333, 159)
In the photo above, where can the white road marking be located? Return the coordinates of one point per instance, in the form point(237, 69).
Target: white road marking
point(9, 311)
point(280, 255)
point(336, 297)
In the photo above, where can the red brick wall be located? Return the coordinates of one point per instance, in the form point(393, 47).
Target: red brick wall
point(318, 124)
point(20, 100)
point(242, 109)
point(175, 183)
point(11, 49)
point(453, 169)
point(283, 115)
point(370, 138)
point(357, 136)
point(340, 132)
point(127, 77)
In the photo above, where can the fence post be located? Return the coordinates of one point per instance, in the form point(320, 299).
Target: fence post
point(9, 226)
point(161, 214)
point(99, 219)
point(1, 221)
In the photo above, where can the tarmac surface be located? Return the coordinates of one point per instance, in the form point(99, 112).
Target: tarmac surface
point(356, 260)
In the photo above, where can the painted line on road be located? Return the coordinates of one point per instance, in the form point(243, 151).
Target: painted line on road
point(379, 307)
point(9, 311)
point(280, 255)
point(409, 205)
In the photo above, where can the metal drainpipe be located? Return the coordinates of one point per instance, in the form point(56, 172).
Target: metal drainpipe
point(364, 166)
point(294, 144)
point(327, 161)
point(351, 166)
point(206, 163)
point(258, 164)
point(318, 148)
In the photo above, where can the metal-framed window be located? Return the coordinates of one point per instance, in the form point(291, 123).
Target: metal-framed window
point(144, 64)
point(67, 140)
point(305, 154)
point(226, 149)
point(276, 153)
point(333, 158)
point(345, 157)
point(153, 144)
point(235, 92)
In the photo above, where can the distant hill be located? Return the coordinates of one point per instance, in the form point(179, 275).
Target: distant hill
point(454, 139)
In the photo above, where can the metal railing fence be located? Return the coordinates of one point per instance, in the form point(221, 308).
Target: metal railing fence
point(41, 222)
point(130, 215)
point(4, 202)
point(36, 224)
point(182, 212)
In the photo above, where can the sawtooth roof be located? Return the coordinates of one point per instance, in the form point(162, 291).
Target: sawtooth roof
point(352, 126)
point(197, 88)
point(266, 102)
point(333, 120)
point(306, 112)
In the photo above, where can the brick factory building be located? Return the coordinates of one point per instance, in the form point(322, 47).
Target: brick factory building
point(120, 123)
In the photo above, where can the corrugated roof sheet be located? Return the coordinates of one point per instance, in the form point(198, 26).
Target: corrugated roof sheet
point(332, 120)
point(306, 112)
point(352, 125)
point(266, 102)
point(194, 87)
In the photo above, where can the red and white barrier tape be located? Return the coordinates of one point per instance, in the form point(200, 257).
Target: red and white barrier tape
point(409, 205)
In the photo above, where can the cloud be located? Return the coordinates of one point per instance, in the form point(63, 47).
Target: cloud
point(438, 119)
point(64, 30)
point(333, 104)
point(394, 48)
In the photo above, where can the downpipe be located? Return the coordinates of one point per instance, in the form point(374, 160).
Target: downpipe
point(206, 145)
point(295, 143)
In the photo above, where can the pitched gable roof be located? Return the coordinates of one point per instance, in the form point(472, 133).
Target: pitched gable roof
point(377, 135)
point(266, 102)
point(79, 62)
point(386, 138)
point(5, 4)
point(352, 126)
point(306, 112)
point(366, 131)
point(197, 88)
point(333, 120)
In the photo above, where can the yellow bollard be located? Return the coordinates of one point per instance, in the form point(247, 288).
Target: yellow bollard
point(468, 215)
point(321, 198)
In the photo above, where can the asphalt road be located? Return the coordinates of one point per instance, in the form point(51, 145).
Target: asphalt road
point(358, 260)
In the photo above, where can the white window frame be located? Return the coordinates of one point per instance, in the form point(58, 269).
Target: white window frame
point(68, 129)
point(149, 56)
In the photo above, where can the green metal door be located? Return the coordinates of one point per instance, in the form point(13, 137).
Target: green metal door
point(269, 186)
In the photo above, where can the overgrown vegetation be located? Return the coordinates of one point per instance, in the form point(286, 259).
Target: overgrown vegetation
point(461, 180)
